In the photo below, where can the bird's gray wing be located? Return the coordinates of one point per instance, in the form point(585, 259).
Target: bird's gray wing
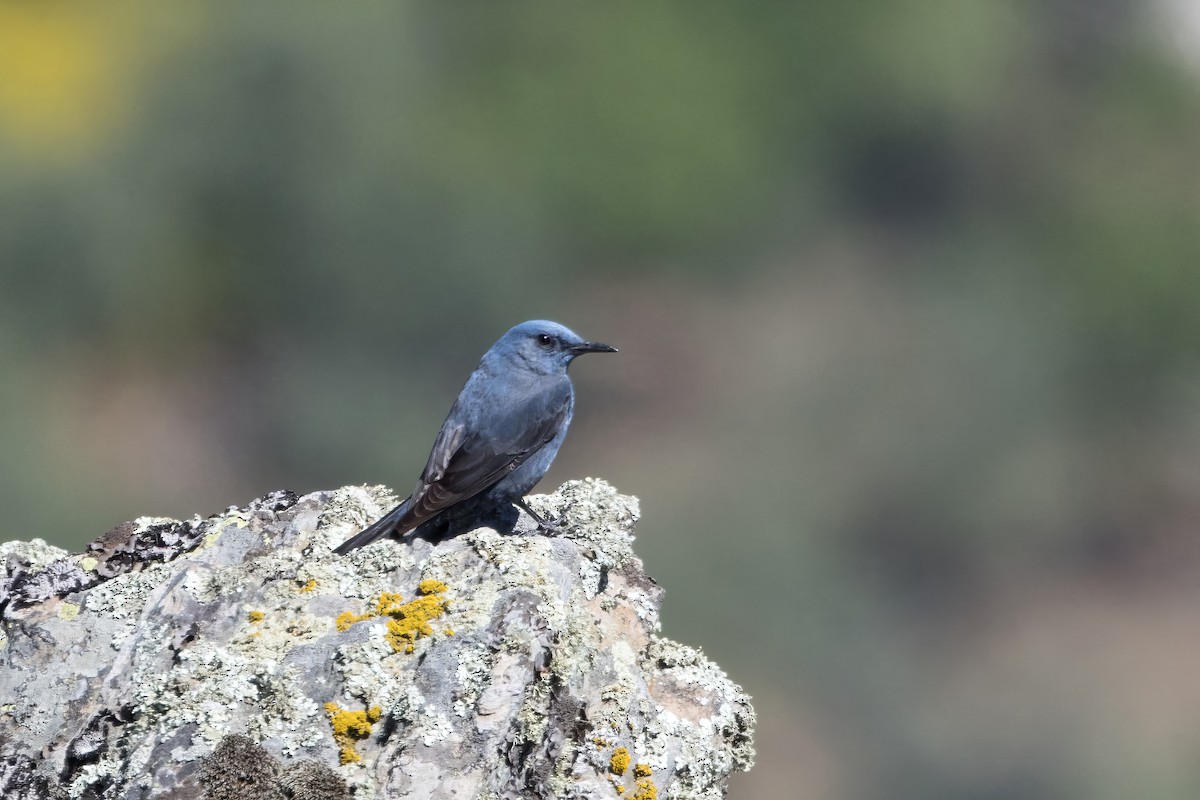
point(465, 463)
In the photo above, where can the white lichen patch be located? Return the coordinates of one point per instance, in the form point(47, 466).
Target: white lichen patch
point(286, 713)
point(356, 506)
point(208, 586)
point(433, 727)
point(412, 707)
point(207, 688)
point(473, 667)
point(602, 520)
point(618, 697)
point(143, 524)
point(92, 774)
point(36, 553)
point(123, 598)
point(702, 704)
point(222, 691)
point(591, 507)
point(272, 637)
point(645, 606)
point(532, 714)
point(504, 553)
point(515, 563)
point(367, 572)
point(350, 509)
point(362, 572)
point(368, 669)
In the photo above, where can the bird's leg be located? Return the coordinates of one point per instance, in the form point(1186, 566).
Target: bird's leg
point(544, 524)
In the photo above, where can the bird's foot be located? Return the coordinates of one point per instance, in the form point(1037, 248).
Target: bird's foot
point(544, 524)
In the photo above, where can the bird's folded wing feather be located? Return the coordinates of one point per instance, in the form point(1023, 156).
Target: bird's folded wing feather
point(464, 464)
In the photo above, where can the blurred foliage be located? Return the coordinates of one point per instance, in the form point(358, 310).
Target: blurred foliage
point(905, 294)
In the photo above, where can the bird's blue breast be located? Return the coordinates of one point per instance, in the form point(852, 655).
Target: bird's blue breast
point(520, 481)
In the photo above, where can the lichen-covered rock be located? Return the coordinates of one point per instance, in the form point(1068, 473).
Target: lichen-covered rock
point(237, 656)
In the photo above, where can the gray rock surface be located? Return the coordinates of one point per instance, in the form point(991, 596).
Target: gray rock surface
point(237, 657)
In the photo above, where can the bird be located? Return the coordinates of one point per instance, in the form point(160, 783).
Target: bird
point(501, 434)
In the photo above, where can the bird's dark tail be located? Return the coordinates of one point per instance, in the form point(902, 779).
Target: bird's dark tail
point(384, 526)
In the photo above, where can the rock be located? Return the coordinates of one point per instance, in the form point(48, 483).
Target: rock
point(238, 657)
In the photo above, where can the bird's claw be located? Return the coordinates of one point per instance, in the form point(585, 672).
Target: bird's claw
point(549, 526)
point(543, 524)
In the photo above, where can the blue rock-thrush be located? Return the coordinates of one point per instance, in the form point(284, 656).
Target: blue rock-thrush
point(501, 434)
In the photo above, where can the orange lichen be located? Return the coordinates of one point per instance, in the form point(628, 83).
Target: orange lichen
point(308, 587)
point(619, 761)
point(349, 727)
point(642, 771)
point(256, 616)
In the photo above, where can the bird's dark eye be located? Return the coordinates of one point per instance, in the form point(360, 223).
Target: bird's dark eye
point(545, 339)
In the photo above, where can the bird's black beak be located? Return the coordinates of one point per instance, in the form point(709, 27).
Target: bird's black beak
point(591, 347)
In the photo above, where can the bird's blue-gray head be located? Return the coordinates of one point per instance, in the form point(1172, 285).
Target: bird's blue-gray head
point(543, 346)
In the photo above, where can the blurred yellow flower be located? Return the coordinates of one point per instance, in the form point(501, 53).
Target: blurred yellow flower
point(68, 72)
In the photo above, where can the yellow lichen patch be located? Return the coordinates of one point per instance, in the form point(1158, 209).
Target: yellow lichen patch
point(646, 790)
point(256, 616)
point(409, 621)
point(388, 603)
point(349, 727)
point(620, 790)
point(347, 618)
point(68, 611)
point(430, 586)
point(619, 761)
point(310, 586)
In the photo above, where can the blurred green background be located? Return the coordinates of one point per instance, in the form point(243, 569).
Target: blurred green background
point(907, 293)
